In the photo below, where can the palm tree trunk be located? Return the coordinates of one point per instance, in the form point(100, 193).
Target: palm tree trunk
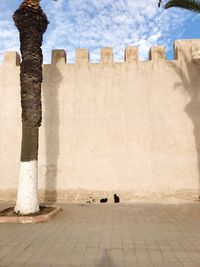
point(31, 23)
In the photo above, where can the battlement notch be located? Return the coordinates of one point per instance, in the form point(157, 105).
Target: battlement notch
point(187, 50)
point(58, 56)
point(11, 58)
point(106, 55)
point(157, 53)
point(131, 54)
point(82, 56)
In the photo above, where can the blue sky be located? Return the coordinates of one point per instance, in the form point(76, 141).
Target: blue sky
point(93, 24)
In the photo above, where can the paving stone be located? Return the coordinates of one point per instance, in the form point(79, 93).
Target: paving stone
point(124, 235)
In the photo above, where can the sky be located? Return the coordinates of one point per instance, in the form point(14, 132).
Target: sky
point(94, 24)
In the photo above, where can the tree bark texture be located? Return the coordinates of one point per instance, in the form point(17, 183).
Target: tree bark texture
point(31, 24)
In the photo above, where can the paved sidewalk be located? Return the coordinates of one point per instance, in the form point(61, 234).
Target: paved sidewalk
point(102, 235)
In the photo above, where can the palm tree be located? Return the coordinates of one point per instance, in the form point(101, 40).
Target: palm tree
point(31, 22)
point(192, 5)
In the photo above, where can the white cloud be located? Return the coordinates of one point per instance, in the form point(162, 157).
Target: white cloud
point(94, 24)
point(110, 23)
point(8, 33)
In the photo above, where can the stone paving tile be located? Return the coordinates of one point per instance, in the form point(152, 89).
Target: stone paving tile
point(88, 263)
point(124, 235)
point(167, 264)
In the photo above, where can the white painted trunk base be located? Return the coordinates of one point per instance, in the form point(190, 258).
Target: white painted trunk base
point(27, 196)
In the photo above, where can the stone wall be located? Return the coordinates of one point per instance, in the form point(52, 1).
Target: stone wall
point(131, 128)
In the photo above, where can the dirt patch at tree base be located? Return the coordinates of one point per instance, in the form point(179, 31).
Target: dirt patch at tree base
point(44, 214)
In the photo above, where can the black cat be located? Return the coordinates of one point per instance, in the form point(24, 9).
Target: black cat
point(116, 198)
point(103, 200)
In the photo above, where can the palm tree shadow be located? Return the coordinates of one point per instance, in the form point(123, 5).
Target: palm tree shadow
point(106, 260)
point(51, 124)
point(191, 84)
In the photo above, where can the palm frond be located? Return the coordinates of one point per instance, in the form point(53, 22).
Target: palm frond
point(191, 5)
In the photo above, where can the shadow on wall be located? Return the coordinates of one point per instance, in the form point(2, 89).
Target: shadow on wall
point(191, 84)
point(51, 126)
point(106, 260)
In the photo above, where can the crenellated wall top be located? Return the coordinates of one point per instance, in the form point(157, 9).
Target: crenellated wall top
point(183, 49)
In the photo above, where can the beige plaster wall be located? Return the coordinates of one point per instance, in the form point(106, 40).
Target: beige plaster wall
point(131, 128)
